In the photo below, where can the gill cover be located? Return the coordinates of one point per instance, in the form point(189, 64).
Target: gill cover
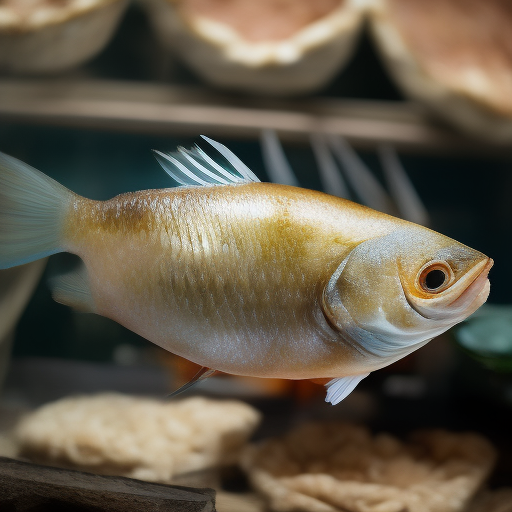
point(365, 302)
point(394, 293)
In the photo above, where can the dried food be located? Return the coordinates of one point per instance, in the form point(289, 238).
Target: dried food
point(136, 437)
point(332, 467)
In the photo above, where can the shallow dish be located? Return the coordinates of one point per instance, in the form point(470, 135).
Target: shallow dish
point(269, 47)
point(43, 36)
point(455, 56)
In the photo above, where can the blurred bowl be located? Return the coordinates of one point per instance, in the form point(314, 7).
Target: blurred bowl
point(267, 47)
point(454, 56)
point(46, 36)
point(487, 337)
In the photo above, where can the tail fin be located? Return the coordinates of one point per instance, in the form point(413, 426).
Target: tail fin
point(32, 211)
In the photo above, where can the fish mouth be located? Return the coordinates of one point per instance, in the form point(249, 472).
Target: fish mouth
point(476, 289)
point(476, 293)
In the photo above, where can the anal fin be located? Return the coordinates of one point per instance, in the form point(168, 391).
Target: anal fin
point(202, 374)
point(73, 289)
point(338, 389)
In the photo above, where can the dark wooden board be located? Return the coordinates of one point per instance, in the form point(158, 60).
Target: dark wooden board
point(34, 488)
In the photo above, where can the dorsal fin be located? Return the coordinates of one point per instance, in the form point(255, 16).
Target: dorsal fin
point(195, 167)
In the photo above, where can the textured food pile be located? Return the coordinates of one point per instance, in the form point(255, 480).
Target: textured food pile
point(136, 437)
point(331, 467)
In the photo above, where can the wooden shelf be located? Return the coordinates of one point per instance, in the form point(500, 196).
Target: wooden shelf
point(148, 107)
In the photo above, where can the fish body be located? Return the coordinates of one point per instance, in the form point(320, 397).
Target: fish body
point(230, 277)
point(251, 278)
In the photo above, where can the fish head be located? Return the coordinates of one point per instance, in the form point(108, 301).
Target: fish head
point(394, 293)
point(450, 285)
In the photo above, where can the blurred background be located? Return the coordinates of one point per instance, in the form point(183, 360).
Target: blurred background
point(161, 79)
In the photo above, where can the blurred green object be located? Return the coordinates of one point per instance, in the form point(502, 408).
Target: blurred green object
point(487, 337)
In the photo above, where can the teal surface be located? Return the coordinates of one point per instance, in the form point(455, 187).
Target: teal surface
point(487, 336)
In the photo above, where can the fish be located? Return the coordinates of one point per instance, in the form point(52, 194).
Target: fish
point(246, 277)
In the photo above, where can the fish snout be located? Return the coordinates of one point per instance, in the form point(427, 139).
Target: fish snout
point(476, 292)
point(460, 300)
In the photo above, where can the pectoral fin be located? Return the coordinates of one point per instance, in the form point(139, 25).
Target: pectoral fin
point(338, 389)
point(202, 374)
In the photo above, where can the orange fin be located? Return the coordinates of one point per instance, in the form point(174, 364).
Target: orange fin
point(202, 374)
point(321, 382)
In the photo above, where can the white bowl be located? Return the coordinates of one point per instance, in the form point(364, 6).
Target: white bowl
point(44, 37)
point(454, 56)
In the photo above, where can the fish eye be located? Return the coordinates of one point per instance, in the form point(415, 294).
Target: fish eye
point(435, 277)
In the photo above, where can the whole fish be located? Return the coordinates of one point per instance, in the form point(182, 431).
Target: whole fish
point(246, 277)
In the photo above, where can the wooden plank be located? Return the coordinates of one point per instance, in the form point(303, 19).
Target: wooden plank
point(26, 486)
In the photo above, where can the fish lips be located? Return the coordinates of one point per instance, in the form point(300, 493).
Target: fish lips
point(470, 292)
point(476, 293)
